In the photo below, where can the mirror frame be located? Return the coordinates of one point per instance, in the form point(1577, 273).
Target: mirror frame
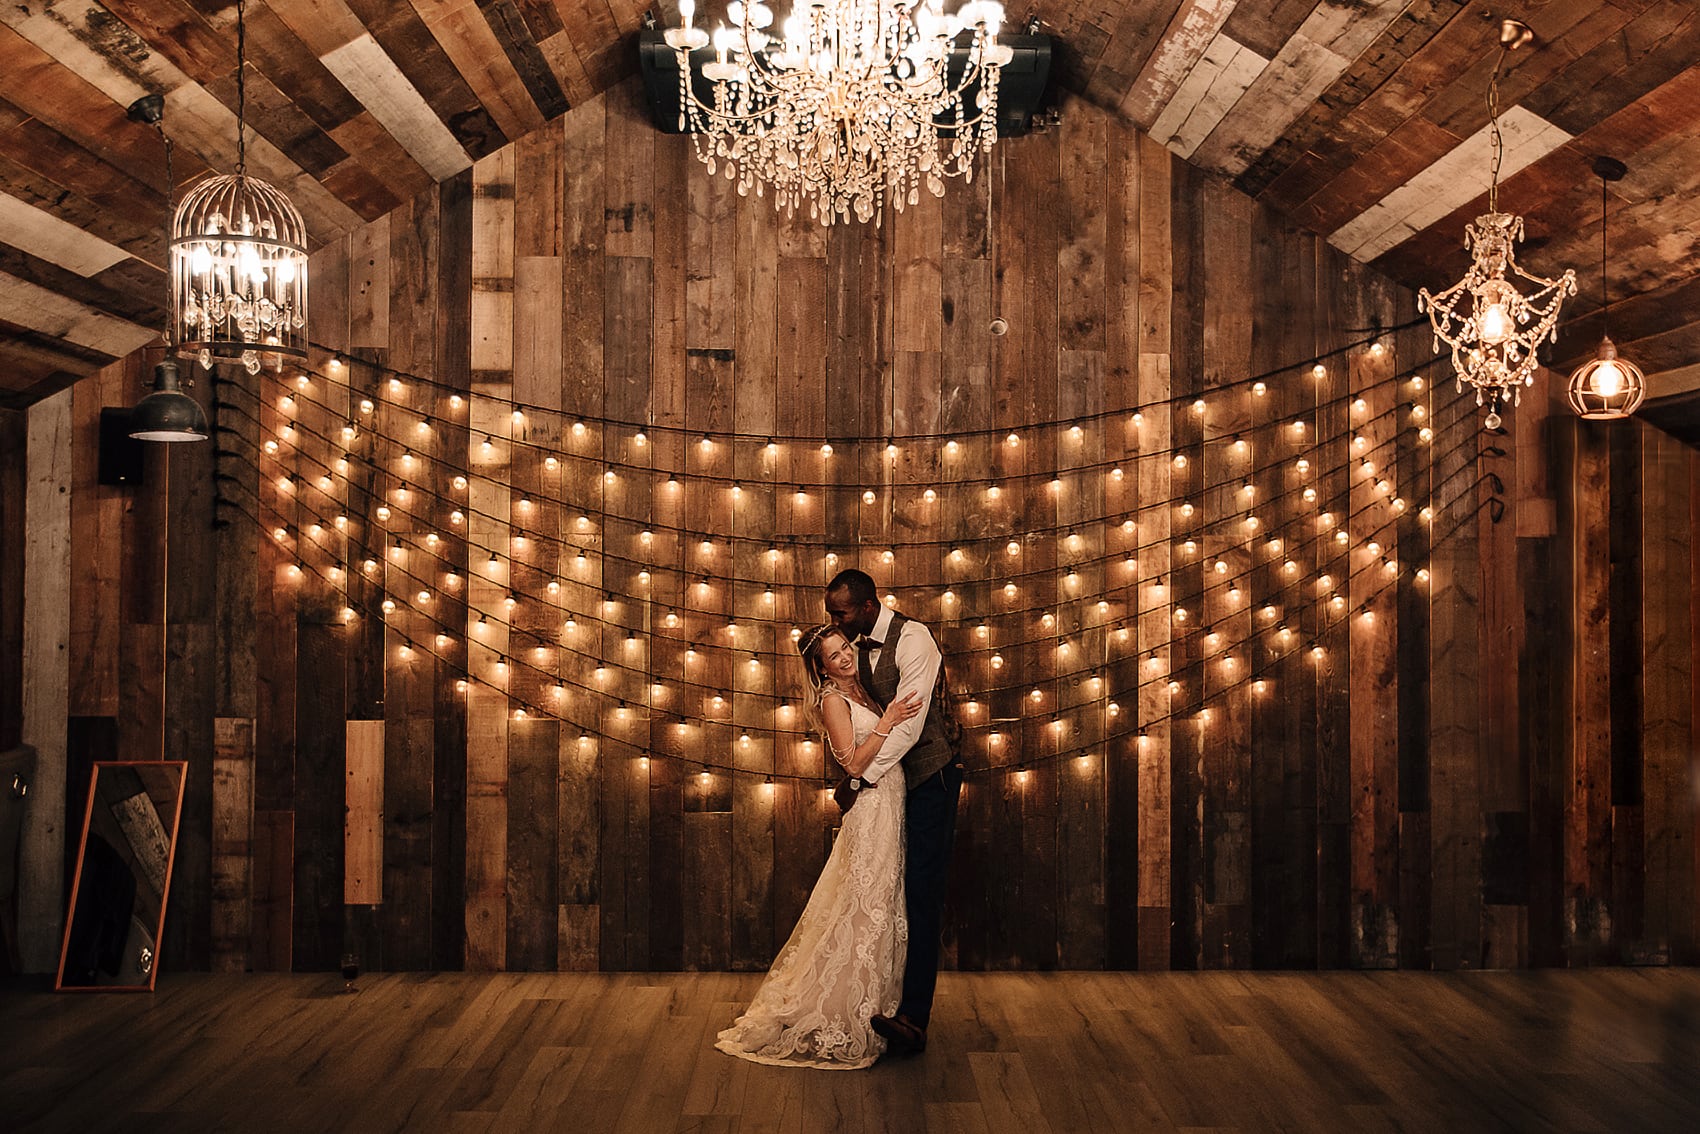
point(182, 767)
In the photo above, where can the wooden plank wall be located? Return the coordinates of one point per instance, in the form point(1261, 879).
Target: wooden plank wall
point(1306, 672)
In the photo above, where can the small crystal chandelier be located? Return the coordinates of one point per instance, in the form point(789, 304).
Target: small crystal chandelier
point(239, 261)
point(1493, 336)
point(1607, 387)
point(844, 106)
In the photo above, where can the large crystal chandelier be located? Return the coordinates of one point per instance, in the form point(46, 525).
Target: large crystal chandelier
point(239, 261)
point(852, 100)
point(1491, 326)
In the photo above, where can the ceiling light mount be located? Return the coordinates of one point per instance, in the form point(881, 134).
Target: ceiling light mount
point(1514, 34)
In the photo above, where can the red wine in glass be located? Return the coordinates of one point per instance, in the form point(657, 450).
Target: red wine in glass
point(350, 971)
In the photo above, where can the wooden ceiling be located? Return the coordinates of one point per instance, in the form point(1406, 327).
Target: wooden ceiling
point(1363, 120)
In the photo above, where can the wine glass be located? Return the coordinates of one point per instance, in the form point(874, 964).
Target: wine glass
point(350, 970)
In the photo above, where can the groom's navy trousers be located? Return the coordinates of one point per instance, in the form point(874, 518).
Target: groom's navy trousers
point(930, 827)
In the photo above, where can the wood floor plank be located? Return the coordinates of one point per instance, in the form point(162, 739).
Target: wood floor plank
point(1600, 1050)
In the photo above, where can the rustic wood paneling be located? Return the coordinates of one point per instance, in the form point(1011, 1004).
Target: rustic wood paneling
point(44, 661)
point(566, 782)
point(13, 476)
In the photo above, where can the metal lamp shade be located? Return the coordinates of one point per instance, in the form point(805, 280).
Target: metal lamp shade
point(168, 414)
point(1607, 387)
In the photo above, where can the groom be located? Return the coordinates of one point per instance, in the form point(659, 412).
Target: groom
point(897, 656)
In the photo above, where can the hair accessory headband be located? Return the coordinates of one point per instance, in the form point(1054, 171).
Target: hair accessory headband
point(811, 636)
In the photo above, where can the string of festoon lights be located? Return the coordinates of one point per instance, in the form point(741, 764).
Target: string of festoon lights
point(451, 558)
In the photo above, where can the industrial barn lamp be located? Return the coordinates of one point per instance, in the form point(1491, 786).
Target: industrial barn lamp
point(853, 101)
point(1608, 387)
point(239, 261)
point(1491, 326)
point(167, 414)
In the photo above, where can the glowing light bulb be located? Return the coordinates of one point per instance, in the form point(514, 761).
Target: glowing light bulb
point(1494, 326)
point(1608, 379)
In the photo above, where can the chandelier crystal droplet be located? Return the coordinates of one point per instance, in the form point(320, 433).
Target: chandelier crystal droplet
point(846, 104)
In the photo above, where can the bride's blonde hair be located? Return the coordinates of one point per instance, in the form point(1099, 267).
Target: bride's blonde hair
point(809, 646)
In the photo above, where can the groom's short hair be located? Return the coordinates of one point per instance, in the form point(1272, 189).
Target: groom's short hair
point(860, 584)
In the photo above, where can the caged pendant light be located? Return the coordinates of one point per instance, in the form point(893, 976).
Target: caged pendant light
point(1607, 387)
point(1492, 327)
point(239, 261)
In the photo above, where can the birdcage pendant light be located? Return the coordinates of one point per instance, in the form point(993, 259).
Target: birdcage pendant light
point(239, 261)
point(1497, 315)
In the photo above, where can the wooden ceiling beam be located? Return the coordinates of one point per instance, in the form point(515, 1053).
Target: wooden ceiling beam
point(1557, 190)
point(1133, 40)
point(467, 39)
point(512, 29)
point(602, 33)
point(396, 29)
point(1380, 92)
point(75, 108)
point(34, 365)
point(129, 290)
point(81, 189)
point(1317, 53)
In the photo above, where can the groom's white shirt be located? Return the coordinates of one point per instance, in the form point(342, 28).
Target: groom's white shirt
point(918, 661)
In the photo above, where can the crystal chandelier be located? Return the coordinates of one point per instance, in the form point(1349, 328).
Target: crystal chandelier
point(1491, 326)
point(1607, 387)
point(852, 101)
point(239, 261)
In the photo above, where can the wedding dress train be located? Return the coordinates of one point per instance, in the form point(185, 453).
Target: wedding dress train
point(844, 960)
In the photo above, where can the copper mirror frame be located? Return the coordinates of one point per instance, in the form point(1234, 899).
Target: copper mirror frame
point(123, 877)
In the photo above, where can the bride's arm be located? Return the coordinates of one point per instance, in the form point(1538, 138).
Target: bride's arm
point(841, 734)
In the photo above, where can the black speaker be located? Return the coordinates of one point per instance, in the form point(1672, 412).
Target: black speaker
point(120, 454)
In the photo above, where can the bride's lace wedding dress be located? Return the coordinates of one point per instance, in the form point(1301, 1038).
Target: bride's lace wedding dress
point(844, 961)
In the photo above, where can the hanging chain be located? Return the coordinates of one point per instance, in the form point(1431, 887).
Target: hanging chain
point(241, 87)
point(170, 225)
point(1496, 141)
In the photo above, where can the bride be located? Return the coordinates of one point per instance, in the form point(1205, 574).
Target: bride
point(844, 961)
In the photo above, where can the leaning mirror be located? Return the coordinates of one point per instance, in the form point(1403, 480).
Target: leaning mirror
point(123, 877)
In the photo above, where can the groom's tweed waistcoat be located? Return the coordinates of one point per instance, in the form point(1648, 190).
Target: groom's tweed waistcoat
point(940, 735)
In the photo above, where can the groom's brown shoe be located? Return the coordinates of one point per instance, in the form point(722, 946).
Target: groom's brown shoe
point(902, 1035)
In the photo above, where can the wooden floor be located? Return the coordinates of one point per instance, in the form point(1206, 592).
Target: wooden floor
point(1608, 1050)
